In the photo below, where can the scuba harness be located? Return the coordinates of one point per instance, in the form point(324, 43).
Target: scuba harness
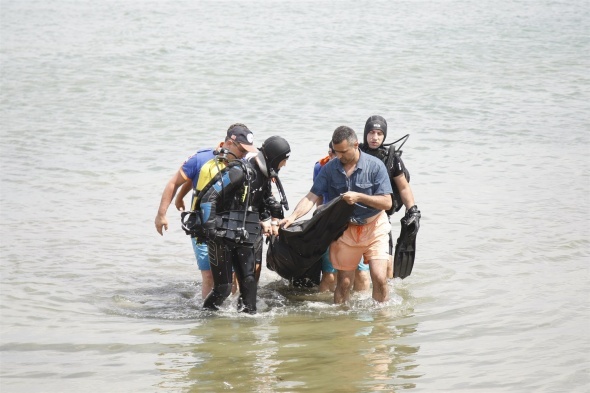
point(240, 226)
point(192, 221)
point(390, 159)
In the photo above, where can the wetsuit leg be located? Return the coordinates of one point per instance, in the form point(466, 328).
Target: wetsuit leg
point(221, 267)
point(244, 266)
point(258, 249)
point(258, 254)
point(390, 265)
point(390, 243)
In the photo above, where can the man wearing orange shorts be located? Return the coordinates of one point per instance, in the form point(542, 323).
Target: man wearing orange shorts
point(362, 180)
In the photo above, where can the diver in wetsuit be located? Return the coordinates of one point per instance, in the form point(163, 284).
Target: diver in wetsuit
point(374, 137)
point(235, 206)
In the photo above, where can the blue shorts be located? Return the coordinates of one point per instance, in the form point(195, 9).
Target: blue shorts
point(202, 254)
point(328, 268)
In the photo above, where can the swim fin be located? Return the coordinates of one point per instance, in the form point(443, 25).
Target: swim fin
point(405, 249)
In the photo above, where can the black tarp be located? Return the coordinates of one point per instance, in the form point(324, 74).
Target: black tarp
point(296, 252)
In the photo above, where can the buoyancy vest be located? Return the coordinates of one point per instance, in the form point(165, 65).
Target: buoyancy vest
point(193, 221)
point(207, 172)
point(235, 201)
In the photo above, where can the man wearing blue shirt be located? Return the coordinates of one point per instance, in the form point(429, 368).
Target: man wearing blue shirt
point(362, 281)
point(362, 180)
point(238, 142)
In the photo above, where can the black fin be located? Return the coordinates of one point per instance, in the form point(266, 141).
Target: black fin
point(405, 251)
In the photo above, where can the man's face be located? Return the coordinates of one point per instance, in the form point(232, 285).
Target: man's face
point(236, 149)
point(346, 152)
point(282, 163)
point(375, 138)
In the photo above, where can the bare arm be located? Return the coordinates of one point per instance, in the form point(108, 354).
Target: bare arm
point(379, 202)
point(302, 208)
point(405, 191)
point(179, 201)
point(175, 181)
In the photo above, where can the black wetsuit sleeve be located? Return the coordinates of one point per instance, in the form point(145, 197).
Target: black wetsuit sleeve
point(398, 167)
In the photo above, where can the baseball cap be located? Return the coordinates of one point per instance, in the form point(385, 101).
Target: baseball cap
point(241, 134)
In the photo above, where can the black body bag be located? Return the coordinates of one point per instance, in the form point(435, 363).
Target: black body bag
point(296, 252)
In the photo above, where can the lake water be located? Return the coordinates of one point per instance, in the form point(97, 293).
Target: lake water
point(102, 101)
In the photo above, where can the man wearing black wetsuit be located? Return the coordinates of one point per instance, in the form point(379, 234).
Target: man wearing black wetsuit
point(374, 137)
point(235, 205)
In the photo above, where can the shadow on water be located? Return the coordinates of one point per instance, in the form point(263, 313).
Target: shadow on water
point(172, 301)
point(181, 301)
point(299, 340)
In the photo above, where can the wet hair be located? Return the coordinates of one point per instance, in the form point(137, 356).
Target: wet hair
point(344, 133)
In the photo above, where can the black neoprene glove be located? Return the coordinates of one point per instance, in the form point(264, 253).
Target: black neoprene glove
point(274, 207)
point(412, 220)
